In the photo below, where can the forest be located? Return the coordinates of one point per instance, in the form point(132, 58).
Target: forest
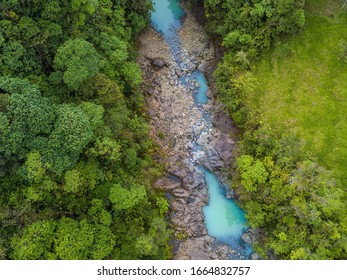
point(75, 154)
point(76, 159)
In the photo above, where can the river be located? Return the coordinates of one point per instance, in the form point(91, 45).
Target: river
point(224, 220)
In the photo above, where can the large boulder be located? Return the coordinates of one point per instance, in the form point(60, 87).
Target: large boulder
point(248, 237)
point(159, 63)
point(203, 67)
point(167, 184)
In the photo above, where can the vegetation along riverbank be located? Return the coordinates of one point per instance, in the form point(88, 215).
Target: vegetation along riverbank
point(283, 79)
point(76, 164)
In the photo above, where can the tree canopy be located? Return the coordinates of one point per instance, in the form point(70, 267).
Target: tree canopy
point(75, 152)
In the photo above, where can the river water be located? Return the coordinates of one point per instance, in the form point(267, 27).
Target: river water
point(224, 220)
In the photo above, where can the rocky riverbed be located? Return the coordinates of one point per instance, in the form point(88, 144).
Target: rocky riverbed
point(173, 113)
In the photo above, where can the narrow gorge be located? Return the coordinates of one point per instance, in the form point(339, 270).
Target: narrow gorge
point(194, 133)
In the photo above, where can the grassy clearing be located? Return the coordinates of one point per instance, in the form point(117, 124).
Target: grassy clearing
point(302, 85)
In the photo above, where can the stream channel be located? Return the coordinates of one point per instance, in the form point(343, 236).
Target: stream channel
point(224, 220)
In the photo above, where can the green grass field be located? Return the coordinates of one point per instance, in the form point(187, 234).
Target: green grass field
point(302, 85)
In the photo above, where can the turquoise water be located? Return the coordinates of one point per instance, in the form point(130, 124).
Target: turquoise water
point(201, 96)
point(167, 17)
point(200, 93)
point(223, 218)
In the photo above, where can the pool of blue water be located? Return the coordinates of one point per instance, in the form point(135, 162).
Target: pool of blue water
point(224, 219)
point(201, 96)
point(166, 18)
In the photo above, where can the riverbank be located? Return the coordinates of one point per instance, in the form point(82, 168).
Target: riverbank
point(173, 114)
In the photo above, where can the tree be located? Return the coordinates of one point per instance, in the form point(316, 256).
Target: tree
point(115, 49)
point(35, 241)
point(95, 114)
point(107, 149)
point(73, 182)
point(253, 172)
point(72, 132)
point(255, 24)
point(104, 242)
point(81, 240)
point(124, 199)
point(73, 239)
point(29, 115)
point(35, 168)
point(145, 245)
point(98, 215)
point(77, 61)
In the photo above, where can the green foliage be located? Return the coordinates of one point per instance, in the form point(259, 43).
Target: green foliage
point(71, 133)
point(95, 114)
point(81, 240)
point(28, 116)
point(98, 214)
point(107, 148)
point(73, 182)
point(35, 242)
point(115, 49)
point(145, 245)
point(252, 26)
point(285, 200)
point(35, 167)
point(124, 199)
point(131, 73)
point(103, 243)
point(73, 239)
point(75, 156)
point(253, 173)
point(78, 61)
point(163, 205)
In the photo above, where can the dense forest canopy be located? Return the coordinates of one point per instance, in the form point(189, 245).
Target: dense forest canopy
point(75, 155)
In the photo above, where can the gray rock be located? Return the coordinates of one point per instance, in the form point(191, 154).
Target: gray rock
point(248, 237)
point(231, 194)
point(156, 81)
point(203, 67)
point(255, 256)
point(167, 184)
point(188, 66)
point(160, 63)
point(178, 72)
point(180, 193)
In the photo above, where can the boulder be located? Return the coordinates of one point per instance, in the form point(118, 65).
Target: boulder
point(167, 184)
point(248, 237)
point(178, 72)
point(255, 256)
point(159, 63)
point(203, 67)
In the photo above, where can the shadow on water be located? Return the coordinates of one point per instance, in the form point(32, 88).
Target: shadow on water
point(224, 220)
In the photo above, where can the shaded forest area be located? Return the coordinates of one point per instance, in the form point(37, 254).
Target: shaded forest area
point(75, 155)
